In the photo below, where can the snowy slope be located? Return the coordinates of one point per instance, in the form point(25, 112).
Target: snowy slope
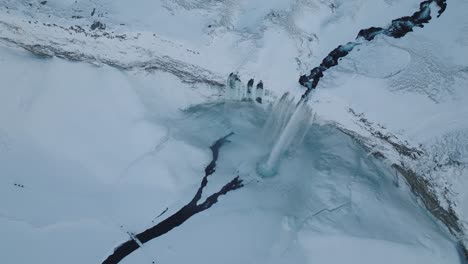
point(418, 99)
point(90, 151)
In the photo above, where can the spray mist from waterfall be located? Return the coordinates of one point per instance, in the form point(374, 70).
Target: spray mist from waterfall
point(284, 129)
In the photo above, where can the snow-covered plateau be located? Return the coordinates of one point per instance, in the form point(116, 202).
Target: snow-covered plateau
point(116, 120)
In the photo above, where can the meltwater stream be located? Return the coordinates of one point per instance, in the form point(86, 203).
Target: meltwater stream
point(396, 29)
point(293, 127)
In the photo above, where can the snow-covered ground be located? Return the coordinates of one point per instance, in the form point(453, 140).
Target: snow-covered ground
point(413, 91)
point(90, 151)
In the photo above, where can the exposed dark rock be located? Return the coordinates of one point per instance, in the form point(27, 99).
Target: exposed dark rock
point(370, 33)
point(43, 2)
point(98, 25)
point(188, 73)
point(421, 187)
point(463, 253)
point(250, 84)
point(403, 149)
point(260, 85)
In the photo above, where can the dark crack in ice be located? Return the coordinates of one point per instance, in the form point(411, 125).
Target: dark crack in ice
point(179, 217)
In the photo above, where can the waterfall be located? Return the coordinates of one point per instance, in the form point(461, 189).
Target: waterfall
point(238, 91)
point(285, 128)
point(286, 125)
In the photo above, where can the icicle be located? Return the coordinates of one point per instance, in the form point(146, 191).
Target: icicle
point(234, 89)
point(239, 88)
point(259, 92)
point(249, 94)
point(228, 94)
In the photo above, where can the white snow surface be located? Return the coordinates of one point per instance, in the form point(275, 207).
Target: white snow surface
point(89, 152)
